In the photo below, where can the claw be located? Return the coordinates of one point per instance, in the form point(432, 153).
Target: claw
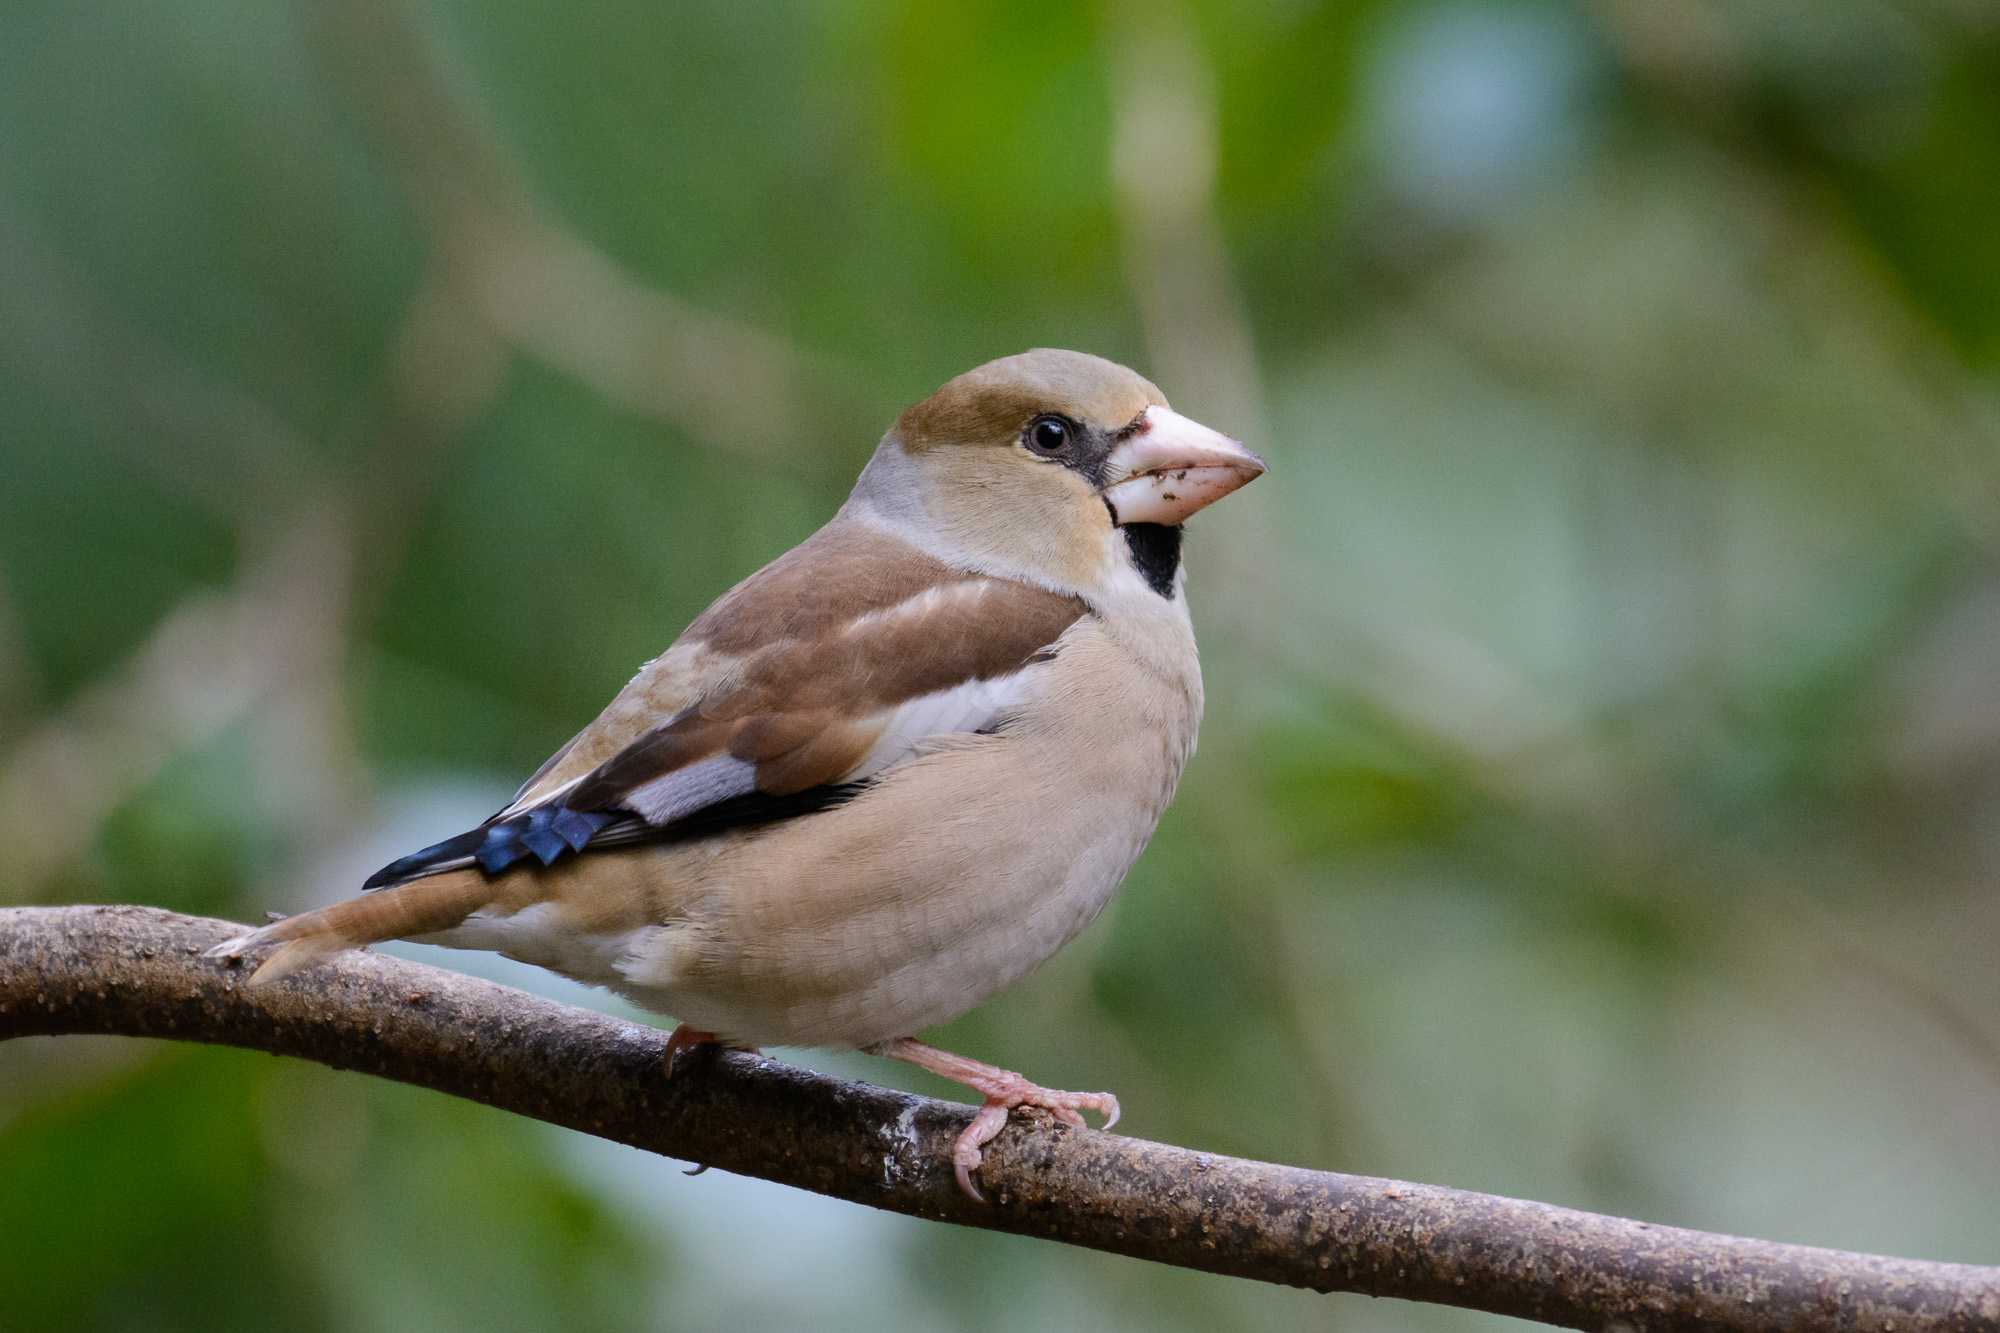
point(683, 1040)
point(1003, 1090)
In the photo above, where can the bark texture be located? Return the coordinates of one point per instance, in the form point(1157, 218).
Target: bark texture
point(140, 972)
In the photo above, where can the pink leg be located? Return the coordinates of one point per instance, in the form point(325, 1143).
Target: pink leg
point(1003, 1090)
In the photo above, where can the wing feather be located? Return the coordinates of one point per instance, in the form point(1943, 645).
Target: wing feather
point(831, 665)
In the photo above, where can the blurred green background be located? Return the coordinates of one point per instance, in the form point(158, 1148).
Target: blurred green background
point(1600, 793)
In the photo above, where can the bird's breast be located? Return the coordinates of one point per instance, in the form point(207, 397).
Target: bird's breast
point(954, 874)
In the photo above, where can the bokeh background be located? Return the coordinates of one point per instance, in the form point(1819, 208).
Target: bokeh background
point(1600, 793)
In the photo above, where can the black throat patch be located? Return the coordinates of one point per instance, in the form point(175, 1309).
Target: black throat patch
point(1156, 554)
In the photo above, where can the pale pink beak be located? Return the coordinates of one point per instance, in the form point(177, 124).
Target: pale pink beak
point(1173, 466)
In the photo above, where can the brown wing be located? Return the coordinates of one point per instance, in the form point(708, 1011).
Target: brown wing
point(823, 668)
point(839, 574)
point(848, 698)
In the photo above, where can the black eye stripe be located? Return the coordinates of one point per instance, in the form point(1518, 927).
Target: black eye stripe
point(1081, 448)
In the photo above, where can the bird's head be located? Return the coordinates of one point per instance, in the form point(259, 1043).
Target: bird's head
point(1056, 466)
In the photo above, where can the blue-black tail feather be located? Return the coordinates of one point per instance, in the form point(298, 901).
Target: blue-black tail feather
point(550, 832)
point(545, 833)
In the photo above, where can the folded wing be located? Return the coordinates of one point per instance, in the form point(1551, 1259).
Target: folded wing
point(788, 696)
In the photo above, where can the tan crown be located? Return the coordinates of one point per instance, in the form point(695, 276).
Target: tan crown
point(993, 403)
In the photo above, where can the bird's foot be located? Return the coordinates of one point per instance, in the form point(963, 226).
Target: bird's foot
point(685, 1040)
point(1007, 1091)
point(1003, 1090)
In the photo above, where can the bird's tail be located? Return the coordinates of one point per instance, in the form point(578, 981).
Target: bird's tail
point(434, 903)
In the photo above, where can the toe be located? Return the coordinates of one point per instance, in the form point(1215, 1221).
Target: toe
point(682, 1041)
point(969, 1149)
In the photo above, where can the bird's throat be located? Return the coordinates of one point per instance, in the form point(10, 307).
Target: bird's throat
point(1156, 554)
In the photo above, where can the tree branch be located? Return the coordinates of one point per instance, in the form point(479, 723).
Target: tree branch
point(139, 972)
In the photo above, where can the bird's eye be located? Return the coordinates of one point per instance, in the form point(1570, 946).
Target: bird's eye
point(1047, 435)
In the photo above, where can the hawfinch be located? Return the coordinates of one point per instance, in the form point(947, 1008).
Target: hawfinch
point(887, 774)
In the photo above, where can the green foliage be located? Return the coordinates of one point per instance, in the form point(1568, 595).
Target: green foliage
point(221, 1190)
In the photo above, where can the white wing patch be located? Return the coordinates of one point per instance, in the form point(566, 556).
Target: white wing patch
point(920, 605)
point(695, 787)
point(962, 709)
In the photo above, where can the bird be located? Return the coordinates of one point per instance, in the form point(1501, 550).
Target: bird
point(886, 775)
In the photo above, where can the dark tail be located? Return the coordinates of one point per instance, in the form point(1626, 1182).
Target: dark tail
point(545, 833)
